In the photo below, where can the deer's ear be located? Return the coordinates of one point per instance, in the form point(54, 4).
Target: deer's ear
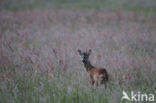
point(79, 51)
point(90, 51)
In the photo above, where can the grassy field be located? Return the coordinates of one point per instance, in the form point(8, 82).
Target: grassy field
point(137, 5)
point(39, 62)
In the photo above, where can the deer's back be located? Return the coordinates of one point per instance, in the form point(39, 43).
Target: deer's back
point(98, 73)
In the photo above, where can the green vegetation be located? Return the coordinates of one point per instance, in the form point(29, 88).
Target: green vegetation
point(142, 5)
point(39, 62)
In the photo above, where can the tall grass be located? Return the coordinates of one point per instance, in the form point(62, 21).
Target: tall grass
point(141, 5)
point(39, 62)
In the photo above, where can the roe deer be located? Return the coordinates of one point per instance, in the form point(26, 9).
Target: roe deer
point(97, 75)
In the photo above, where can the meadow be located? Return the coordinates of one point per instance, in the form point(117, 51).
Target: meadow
point(39, 62)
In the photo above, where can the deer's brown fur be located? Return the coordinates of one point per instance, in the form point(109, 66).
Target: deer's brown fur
point(97, 75)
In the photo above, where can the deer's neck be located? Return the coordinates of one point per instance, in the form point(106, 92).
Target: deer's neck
point(88, 65)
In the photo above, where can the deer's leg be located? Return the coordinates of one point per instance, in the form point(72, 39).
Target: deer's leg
point(96, 83)
point(104, 81)
point(105, 85)
point(92, 81)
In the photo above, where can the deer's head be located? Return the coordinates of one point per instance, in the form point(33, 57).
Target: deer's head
point(85, 55)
